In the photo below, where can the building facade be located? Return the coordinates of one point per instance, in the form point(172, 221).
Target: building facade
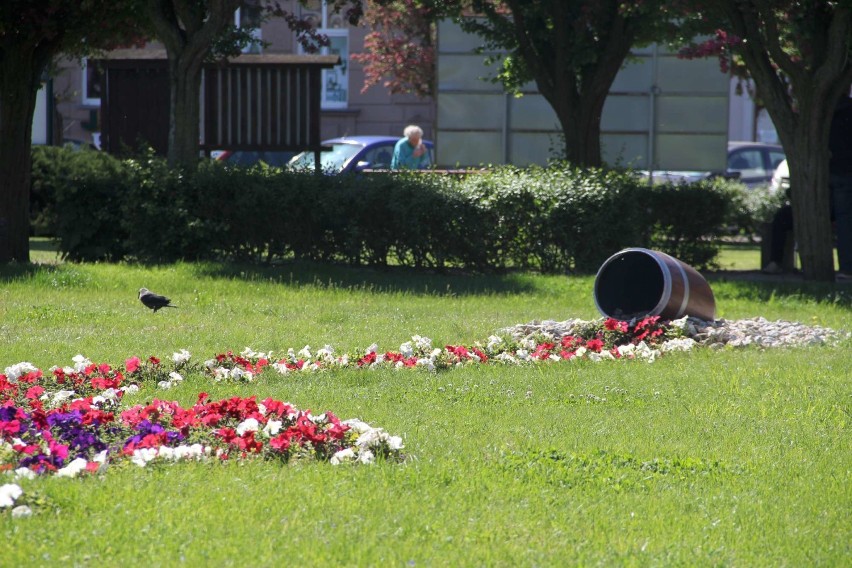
point(346, 110)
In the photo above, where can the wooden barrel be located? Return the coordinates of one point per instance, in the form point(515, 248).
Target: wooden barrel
point(638, 282)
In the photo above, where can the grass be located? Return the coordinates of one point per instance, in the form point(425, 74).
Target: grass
point(706, 458)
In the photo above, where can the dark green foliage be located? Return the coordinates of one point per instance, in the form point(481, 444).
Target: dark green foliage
point(556, 219)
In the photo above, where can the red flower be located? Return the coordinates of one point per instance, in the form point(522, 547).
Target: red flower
point(132, 364)
point(367, 359)
point(595, 345)
point(35, 392)
point(613, 324)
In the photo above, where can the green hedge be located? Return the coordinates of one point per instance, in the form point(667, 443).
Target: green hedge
point(556, 219)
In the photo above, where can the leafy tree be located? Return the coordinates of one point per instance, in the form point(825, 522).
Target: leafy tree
point(571, 49)
point(32, 34)
point(400, 49)
point(189, 29)
point(799, 55)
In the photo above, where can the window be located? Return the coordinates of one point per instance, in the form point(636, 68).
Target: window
point(91, 88)
point(249, 15)
point(335, 81)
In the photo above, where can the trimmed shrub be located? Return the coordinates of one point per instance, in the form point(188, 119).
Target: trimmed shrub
point(554, 219)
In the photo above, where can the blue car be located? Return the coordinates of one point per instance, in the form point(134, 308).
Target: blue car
point(354, 154)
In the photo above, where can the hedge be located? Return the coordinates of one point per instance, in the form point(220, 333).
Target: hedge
point(556, 219)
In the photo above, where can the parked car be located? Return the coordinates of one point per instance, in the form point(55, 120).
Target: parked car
point(781, 178)
point(752, 163)
point(755, 162)
point(248, 158)
point(354, 154)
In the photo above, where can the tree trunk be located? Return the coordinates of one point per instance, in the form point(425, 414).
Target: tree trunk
point(581, 128)
point(19, 83)
point(810, 197)
point(185, 111)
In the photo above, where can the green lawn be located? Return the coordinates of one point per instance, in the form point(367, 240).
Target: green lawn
point(735, 457)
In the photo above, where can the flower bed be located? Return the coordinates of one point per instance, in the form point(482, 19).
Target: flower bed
point(71, 421)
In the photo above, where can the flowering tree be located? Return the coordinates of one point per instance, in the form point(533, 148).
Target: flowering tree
point(400, 49)
point(572, 49)
point(799, 56)
point(32, 34)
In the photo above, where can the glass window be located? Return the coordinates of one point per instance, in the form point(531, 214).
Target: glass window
point(379, 157)
point(335, 81)
point(332, 160)
point(775, 158)
point(92, 75)
point(249, 15)
point(746, 160)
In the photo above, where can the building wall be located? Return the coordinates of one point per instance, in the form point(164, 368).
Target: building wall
point(372, 112)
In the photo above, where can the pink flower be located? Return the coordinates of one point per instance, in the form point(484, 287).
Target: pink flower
point(132, 364)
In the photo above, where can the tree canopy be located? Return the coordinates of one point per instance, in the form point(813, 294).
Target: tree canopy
point(32, 34)
point(799, 56)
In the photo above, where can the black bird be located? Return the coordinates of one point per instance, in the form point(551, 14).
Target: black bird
point(154, 301)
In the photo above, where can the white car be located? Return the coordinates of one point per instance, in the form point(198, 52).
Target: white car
point(781, 178)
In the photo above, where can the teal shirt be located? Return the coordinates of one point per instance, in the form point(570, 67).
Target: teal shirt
point(403, 157)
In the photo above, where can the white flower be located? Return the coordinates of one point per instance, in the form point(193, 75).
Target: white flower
point(505, 358)
point(683, 344)
point(347, 454)
point(165, 385)
point(61, 396)
point(131, 389)
point(305, 352)
point(522, 354)
point(319, 419)
point(247, 425)
point(16, 371)
point(181, 357)
point(422, 343)
point(366, 457)
point(175, 376)
point(357, 425)
point(21, 511)
point(395, 443)
point(210, 363)
point(528, 343)
point(8, 494)
point(73, 469)
point(80, 363)
point(372, 348)
point(326, 353)
point(493, 342)
point(142, 456)
point(272, 427)
point(628, 350)
point(281, 368)
point(24, 473)
point(406, 349)
point(426, 362)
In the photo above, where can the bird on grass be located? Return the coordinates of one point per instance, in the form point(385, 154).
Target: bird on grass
point(154, 301)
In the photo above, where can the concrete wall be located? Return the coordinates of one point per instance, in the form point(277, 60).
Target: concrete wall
point(662, 112)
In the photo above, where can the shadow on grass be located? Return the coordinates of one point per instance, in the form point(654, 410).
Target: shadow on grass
point(388, 279)
point(763, 291)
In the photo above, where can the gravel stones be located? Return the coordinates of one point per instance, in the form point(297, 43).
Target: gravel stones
point(716, 334)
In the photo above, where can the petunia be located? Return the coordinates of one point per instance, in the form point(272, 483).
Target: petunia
point(9, 493)
point(181, 357)
point(132, 365)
